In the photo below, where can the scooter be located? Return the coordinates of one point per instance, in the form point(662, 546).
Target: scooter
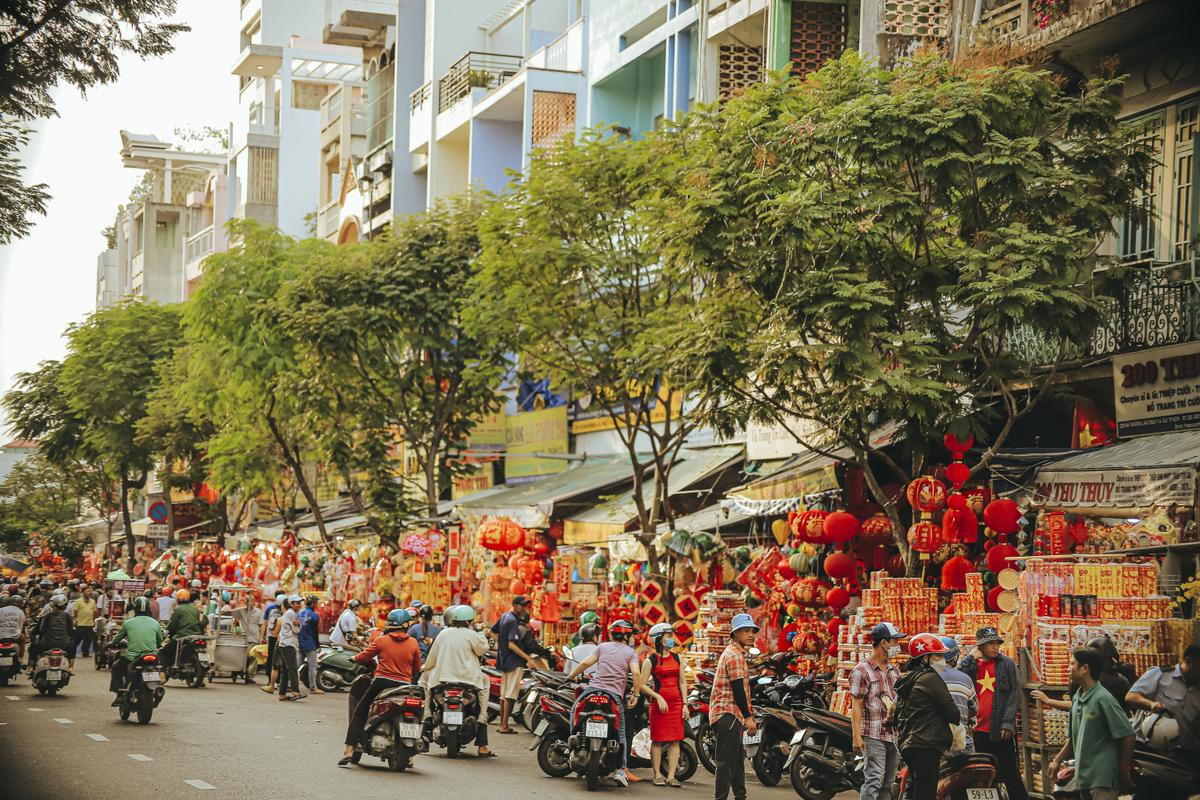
point(594, 744)
point(963, 776)
point(192, 662)
point(552, 731)
point(145, 690)
point(393, 730)
point(336, 668)
point(638, 720)
point(822, 762)
point(454, 716)
point(51, 672)
point(10, 662)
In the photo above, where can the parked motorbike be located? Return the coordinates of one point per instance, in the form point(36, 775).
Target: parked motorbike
point(103, 653)
point(822, 762)
point(964, 776)
point(336, 668)
point(780, 702)
point(552, 731)
point(192, 662)
point(638, 720)
point(528, 710)
point(699, 729)
point(10, 662)
point(454, 715)
point(393, 730)
point(594, 744)
point(495, 678)
point(145, 690)
point(51, 672)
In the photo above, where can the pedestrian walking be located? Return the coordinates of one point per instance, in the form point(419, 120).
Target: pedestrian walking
point(872, 695)
point(664, 682)
point(510, 658)
point(923, 714)
point(84, 613)
point(998, 691)
point(729, 710)
point(270, 627)
point(310, 643)
point(1100, 736)
point(288, 649)
point(962, 689)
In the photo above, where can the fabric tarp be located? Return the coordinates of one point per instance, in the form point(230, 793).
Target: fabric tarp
point(311, 533)
point(1157, 470)
point(599, 524)
point(712, 519)
point(531, 505)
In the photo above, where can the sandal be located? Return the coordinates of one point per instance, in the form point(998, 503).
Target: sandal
point(659, 780)
point(502, 730)
point(674, 784)
point(488, 754)
point(345, 761)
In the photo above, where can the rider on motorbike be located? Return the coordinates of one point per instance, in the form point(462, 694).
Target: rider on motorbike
point(142, 635)
point(454, 658)
point(54, 629)
point(12, 621)
point(185, 621)
point(399, 663)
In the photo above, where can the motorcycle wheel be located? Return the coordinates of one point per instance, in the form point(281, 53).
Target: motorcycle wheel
point(42, 690)
point(452, 745)
point(51, 691)
point(397, 760)
point(687, 761)
point(768, 764)
point(592, 773)
point(4, 678)
point(145, 707)
point(124, 710)
point(807, 783)
point(706, 747)
point(197, 678)
point(328, 680)
point(553, 757)
point(99, 660)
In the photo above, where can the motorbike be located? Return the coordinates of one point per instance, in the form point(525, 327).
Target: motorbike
point(822, 762)
point(495, 677)
point(10, 662)
point(51, 672)
point(527, 708)
point(638, 719)
point(336, 668)
point(594, 744)
point(192, 662)
point(454, 716)
point(963, 776)
point(779, 702)
point(393, 730)
point(552, 731)
point(103, 652)
point(144, 691)
point(699, 729)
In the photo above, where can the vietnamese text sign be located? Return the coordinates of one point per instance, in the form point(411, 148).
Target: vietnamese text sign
point(478, 478)
point(1157, 390)
point(771, 440)
point(542, 431)
point(1115, 488)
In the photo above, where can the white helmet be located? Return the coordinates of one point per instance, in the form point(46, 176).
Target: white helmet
point(1159, 730)
point(295, 598)
point(660, 629)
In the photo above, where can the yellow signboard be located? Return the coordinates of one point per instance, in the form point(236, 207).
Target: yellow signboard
point(598, 419)
point(489, 432)
point(481, 476)
point(542, 431)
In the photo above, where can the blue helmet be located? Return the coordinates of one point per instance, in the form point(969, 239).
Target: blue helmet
point(398, 618)
point(951, 648)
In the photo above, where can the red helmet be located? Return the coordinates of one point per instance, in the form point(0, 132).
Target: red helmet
point(924, 644)
point(619, 629)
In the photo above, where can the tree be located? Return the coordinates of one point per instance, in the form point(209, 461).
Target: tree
point(35, 497)
point(388, 354)
point(47, 42)
point(867, 244)
point(570, 277)
point(246, 367)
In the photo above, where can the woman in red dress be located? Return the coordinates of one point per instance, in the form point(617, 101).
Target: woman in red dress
point(664, 682)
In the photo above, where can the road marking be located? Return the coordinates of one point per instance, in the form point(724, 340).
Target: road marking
point(33, 709)
point(196, 783)
point(13, 696)
point(139, 757)
point(97, 737)
point(62, 721)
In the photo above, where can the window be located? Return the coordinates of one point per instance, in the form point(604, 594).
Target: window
point(380, 99)
point(1183, 212)
point(307, 96)
point(1138, 238)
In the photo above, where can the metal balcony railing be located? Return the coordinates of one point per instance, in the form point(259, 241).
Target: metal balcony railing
point(420, 98)
point(198, 245)
point(475, 70)
point(1020, 18)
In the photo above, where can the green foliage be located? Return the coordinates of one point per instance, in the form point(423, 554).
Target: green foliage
point(868, 242)
point(35, 497)
point(20, 201)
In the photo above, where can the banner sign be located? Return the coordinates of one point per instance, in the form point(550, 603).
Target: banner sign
point(1115, 488)
point(1157, 390)
point(542, 431)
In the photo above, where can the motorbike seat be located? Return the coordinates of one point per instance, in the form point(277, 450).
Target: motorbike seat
point(957, 761)
point(401, 691)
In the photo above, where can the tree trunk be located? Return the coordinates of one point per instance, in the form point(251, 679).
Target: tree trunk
point(431, 484)
point(130, 548)
point(293, 461)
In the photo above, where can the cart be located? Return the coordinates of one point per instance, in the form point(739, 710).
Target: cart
point(233, 634)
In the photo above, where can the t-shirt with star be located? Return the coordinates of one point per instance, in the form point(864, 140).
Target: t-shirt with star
point(985, 692)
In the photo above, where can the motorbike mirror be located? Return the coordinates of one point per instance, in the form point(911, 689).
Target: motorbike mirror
point(754, 651)
point(566, 651)
point(764, 681)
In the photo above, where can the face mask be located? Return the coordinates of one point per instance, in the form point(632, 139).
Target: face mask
point(893, 651)
point(938, 663)
point(668, 642)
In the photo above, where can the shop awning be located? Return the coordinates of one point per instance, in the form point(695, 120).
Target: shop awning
point(311, 533)
point(1158, 470)
point(598, 524)
point(713, 519)
point(531, 505)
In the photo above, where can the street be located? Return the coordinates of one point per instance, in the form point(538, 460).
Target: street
point(234, 740)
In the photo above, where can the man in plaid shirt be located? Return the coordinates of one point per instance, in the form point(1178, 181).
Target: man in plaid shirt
point(729, 709)
point(873, 693)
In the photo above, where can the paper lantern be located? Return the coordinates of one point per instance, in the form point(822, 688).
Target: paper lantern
point(517, 586)
point(840, 566)
point(1002, 515)
point(501, 534)
point(977, 498)
point(958, 447)
point(840, 527)
point(779, 529)
point(876, 530)
point(959, 526)
point(998, 555)
point(837, 598)
point(925, 538)
point(807, 592)
point(954, 574)
point(926, 494)
point(810, 526)
point(834, 625)
point(786, 572)
point(958, 473)
point(799, 563)
point(957, 501)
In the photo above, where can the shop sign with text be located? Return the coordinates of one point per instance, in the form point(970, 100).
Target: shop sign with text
point(1157, 390)
point(532, 432)
point(1115, 488)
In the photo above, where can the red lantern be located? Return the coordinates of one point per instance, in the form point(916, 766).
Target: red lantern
point(957, 501)
point(998, 555)
point(807, 592)
point(810, 526)
point(876, 530)
point(517, 586)
point(993, 597)
point(840, 566)
point(501, 534)
point(958, 447)
point(1002, 516)
point(834, 625)
point(786, 572)
point(840, 526)
point(958, 473)
point(959, 526)
point(977, 498)
point(925, 538)
point(954, 574)
point(926, 494)
point(837, 598)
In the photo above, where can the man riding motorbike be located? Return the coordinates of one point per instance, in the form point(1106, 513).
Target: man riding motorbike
point(399, 663)
point(54, 630)
point(141, 634)
point(12, 622)
point(185, 621)
point(454, 658)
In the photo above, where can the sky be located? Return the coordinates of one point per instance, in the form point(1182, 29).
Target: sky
point(48, 280)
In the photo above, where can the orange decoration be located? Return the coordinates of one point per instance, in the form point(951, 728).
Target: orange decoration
point(926, 494)
point(501, 534)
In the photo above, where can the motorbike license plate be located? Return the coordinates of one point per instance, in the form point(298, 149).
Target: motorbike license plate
point(529, 698)
point(5, 661)
point(541, 728)
point(452, 718)
point(596, 730)
point(696, 720)
point(410, 730)
point(747, 739)
point(53, 674)
point(203, 658)
point(151, 677)
point(983, 794)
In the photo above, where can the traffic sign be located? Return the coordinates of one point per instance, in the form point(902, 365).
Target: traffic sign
point(158, 511)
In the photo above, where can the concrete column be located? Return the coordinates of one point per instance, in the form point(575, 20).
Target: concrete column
point(779, 34)
point(167, 170)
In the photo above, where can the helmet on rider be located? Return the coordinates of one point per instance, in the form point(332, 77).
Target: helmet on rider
point(589, 632)
point(196, 583)
point(59, 601)
point(141, 606)
point(45, 583)
point(589, 618)
point(426, 613)
point(397, 618)
point(660, 630)
point(183, 595)
point(295, 598)
point(620, 630)
point(925, 644)
point(4, 596)
point(312, 601)
point(18, 601)
point(354, 603)
point(951, 649)
point(463, 614)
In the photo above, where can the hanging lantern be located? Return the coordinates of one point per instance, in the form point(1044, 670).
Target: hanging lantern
point(998, 557)
point(837, 598)
point(876, 530)
point(840, 527)
point(977, 498)
point(925, 538)
point(957, 473)
point(1002, 516)
point(501, 534)
point(926, 494)
point(954, 573)
point(779, 529)
point(810, 526)
point(958, 447)
point(840, 566)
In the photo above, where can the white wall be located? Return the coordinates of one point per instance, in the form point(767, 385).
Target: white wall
point(495, 147)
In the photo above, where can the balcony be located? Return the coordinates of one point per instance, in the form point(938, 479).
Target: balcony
point(327, 220)
point(420, 116)
point(357, 22)
point(1038, 23)
point(475, 71)
point(565, 53)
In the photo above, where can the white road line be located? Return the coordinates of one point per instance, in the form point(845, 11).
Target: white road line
point(62, 721)
point(199, 784)
point(13, 696)
point(33, 709)
point(139, 757)
point(97, 737)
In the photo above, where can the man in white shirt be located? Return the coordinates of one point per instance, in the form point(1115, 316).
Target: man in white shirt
point(289, 649)
point(166, 605)
point(346, 629)
point(454, 658)
point(587, 645)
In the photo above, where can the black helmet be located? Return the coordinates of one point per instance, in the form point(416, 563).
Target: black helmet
point(141, 606)
point(1106, 648)
point(589, 632)
point(312, 601)
point(425, 612)
point(620, 629)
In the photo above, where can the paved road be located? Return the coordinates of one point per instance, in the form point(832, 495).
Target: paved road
point(238, 742)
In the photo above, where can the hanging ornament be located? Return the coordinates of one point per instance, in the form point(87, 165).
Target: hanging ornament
point(926, 494)
point(876, 530)
point(925, 538)
point(840, 527)
point(779, 529)
point(1002, 516)
point(501, 534)
point(840, 566)
point(810, 526)
point(954, 573)
point(837, 598)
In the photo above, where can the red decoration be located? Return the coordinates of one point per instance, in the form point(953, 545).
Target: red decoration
point(926, 494)
point(957, 501)
point(959, 526)
point(840, 527)
point(958, 473)
point(954, 573)
point(992, 596)
point(977, 498)
point(810, 526)
point(840, 566)
point(834, 625)
point(958, 447)
point(998, 555)
point(517, 586)
point(786, 572)
point(807, 592)
point(895, 566)
point(925, 538)
point(1056, 527)
point(876, 530)
point(1002, 516)
point(837, 598)
point(501, 534)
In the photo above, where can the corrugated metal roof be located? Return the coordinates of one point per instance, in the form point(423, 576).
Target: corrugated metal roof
point(1174, 449)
